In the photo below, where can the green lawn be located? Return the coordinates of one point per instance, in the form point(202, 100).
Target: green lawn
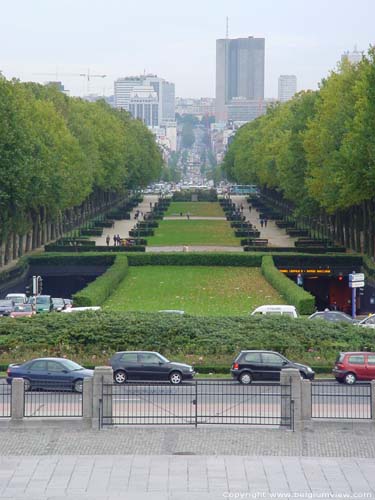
point(193, 232)
point(199, 290)
point(198, 208)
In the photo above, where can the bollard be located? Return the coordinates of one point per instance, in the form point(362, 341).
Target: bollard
point(18, 399)
point(291, 408)
point(102, 396)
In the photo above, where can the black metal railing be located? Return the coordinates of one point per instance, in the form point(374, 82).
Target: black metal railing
point(196, 403)
point(52, 399)
point(5, 399)
point(337, 401)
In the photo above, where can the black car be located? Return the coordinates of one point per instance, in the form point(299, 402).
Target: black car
point(148, 365)
point(6, 307)
point(264, 365)
point(58, 304)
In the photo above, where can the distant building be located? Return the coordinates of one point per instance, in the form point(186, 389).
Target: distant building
point(239, 71)
point(123, 88)
point(246, 110)
point(287, 87)
point(165, 92)
point(144, 104)
point(353, 57)
point(58, 85)
point(205, 106)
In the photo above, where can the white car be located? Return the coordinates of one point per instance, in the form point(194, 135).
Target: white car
point(81, 309)
point(283, 310)
point(368, 322)
point(18, 298)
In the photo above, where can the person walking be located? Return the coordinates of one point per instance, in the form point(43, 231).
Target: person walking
point(118, 240)
point(265, 221)
point(107, 240)
point(188, 215)
point(261, 222)
point(114, 240)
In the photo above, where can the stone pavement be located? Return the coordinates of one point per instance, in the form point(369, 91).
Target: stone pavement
point(172, 463)
point(276, 237)
point(122, 227)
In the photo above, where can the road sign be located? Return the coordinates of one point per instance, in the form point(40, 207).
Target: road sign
point(357, 277)
point(356, 284)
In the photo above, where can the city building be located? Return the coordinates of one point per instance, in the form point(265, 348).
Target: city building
point(287, 87)
point(123, 88)
point(165, 92)
point(246, 110)
point(58, 85)
point(144, 105)
point(205, 106)
point(239, 71)
point(353, 57)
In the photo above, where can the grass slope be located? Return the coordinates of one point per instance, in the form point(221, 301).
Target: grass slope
point(199, 209)
point(193, 232)
point(200, 290)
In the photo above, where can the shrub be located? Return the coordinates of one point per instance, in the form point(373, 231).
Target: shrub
point(98, 248)
point(195, 259)
point(293, 294)
point(61, 259)
point(99, 290)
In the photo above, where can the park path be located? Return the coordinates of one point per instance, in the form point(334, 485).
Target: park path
point(276, 237)
point(122, 227)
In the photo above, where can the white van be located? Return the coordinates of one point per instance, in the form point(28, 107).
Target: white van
point(18, 298)
point(283, 310)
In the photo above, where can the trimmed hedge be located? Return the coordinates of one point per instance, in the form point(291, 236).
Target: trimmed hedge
point(195, 259)
point(98, 248)
point(15, 272)
point(92, 232)
point(61, 259)
point(294, 295)
point(317, 250)
point(99, 290)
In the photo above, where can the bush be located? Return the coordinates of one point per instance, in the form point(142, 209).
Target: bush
point(61, 259)
point(15, 272)
point(98, 231)
point(99, 290)
point(83, 248)
point(293, 294)
point(195, 259)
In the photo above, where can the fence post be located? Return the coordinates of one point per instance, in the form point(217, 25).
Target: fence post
point(18, 399)
point(291, 377)
point(306, 406)
point(372, 399)
point(87, 400)
point(101, 400)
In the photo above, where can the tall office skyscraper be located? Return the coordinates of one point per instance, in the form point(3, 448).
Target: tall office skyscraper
point(239, 71)
point(287, 87)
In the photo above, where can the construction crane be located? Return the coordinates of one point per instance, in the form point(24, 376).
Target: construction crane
point(87, 75)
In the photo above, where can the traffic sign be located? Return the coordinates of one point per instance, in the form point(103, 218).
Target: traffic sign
point(356, 284)
point(357, 277)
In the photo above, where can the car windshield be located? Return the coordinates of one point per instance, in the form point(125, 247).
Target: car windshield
point(71, 365)
point(58, 302)
point(5, 303)
point(42, 299)
point(165, 360)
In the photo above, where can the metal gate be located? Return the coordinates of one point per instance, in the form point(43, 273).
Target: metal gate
point(200, 402)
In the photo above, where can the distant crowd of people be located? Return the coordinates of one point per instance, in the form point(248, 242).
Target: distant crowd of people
point(116, 240)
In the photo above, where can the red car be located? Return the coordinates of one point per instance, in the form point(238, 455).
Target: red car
point(353, 366)
point(22, 311)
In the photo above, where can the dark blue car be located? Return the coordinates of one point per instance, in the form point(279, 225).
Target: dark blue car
point(50, 374)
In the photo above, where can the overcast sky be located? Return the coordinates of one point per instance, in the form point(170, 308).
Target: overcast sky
point(175, 39)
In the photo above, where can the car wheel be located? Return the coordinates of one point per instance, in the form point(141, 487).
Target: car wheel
point(26, 384)
point(78, 386)
point(175, 378)
point(350, 379)
point(120, 377)
point(245, 378)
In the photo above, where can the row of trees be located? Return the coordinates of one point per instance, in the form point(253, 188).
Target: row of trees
point(317, 153)
point(62, 159)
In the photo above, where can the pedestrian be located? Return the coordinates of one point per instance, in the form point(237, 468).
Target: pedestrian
point(261, 222)
point(265, 221)
point(118, 240)
point(180, 214)
point(151, 204)
point(107, 240)
point(114, 240)
point(241, 207)
point(250, 208)
point(188, 215)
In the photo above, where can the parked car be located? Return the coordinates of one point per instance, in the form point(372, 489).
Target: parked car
point(333, 316)
point(148, 365)
point(22, 311)
point(18, 298)
point(68, 303)
point(58, 304)
point(6, 307)
point(42, 303)
point(264, 365)
point(368, 322)
point(353, 366)
point(50, 373)
point(81, 309)
point(276, 309)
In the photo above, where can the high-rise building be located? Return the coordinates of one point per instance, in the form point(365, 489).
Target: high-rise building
point(144, 104)
point(165, 92)
point(239, 71)
point(123, 88)
point(287, 87)
point(353, 57)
